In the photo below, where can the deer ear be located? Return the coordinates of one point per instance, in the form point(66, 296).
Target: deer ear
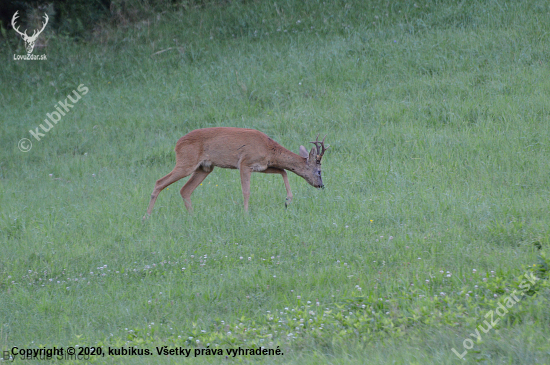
point(312, 154)
point(303, 152)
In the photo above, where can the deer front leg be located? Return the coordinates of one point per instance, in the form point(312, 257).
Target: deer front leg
point(245, 183)
point(282, 172)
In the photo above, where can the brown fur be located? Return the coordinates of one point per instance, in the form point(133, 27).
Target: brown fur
point(248, 150)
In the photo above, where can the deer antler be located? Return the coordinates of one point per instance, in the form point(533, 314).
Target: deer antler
point(24, 35)
point(34, 34)
point(320, 146)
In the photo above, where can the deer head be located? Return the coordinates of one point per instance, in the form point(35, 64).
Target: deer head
point(29, 41)
point(313, 162)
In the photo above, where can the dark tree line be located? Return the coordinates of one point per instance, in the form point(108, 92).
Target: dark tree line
point(71, 17)
point(76, 17)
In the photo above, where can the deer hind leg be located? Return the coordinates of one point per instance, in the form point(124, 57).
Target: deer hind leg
point(175, 175)
point(198, 176)
point(274, 170)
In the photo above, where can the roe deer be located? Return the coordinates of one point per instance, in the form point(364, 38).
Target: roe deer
point(248, 150)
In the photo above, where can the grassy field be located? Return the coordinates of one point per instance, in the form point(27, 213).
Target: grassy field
point(435, 207)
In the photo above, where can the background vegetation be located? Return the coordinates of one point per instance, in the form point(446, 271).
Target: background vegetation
point(437, 180)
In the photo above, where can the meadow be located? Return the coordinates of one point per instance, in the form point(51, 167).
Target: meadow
point(435, 207)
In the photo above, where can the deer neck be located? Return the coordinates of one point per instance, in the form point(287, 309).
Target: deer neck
point(285, 159)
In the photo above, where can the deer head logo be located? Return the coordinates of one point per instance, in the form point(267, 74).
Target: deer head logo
point(29, 41)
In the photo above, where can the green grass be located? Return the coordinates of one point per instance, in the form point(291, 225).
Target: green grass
point(438, 117)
